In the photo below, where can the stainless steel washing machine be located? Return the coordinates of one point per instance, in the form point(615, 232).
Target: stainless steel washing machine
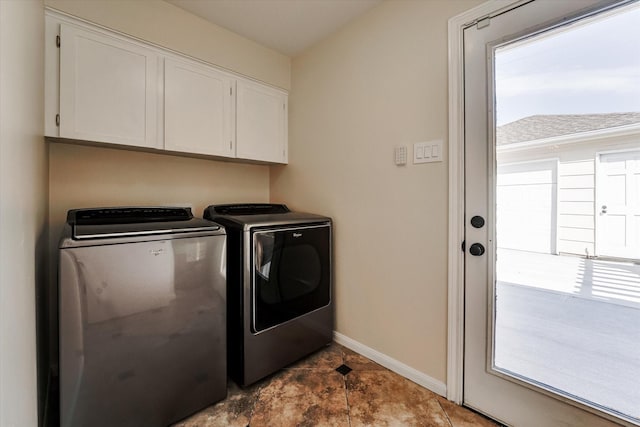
point(142, 316)
point(279, 286)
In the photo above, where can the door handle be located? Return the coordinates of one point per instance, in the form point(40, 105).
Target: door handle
point(476, 249)
point(604, 209)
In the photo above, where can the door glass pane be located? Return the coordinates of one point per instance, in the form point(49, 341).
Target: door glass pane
point(567, 278)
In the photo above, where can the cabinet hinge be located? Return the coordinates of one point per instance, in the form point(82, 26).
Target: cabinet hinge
point(230, 145)
point(231, 91)
point(58, 41)
point(57, 119)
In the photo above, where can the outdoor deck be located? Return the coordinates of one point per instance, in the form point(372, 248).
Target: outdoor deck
point(573, 324)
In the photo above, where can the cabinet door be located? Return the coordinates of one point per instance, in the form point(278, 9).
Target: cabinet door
point(108, 89)
point(197, 109)
point(261, 123)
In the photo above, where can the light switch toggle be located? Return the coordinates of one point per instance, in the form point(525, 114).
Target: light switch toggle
point(426, 152)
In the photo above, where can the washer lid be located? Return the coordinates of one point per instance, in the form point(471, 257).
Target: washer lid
point(127, 215)
point(98, 223)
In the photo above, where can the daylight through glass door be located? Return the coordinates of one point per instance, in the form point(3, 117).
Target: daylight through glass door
point(567, 150)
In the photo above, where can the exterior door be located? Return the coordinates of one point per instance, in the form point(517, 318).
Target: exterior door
point(618, 208)
point(538, 351)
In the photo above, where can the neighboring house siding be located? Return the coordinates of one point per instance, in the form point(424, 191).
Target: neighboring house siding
point(577, 217)
point(576, 198)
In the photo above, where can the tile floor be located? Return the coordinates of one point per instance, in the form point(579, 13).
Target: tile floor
point(313, 393)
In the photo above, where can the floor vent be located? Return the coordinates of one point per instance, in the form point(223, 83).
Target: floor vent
point(343, 369)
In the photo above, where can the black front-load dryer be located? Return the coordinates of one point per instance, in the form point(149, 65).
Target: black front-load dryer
point(279, 286)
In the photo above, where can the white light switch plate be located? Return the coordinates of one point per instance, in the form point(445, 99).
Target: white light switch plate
point(427, 152)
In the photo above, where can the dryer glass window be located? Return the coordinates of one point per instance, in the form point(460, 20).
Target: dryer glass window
point(291, 274)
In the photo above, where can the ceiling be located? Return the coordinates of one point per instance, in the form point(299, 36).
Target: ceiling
point(287, 26)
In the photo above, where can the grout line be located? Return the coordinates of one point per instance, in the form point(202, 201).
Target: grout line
point(346, 389)
point(444, 412)
point(346, 398)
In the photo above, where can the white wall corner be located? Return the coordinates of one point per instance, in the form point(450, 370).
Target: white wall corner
point(392, 364)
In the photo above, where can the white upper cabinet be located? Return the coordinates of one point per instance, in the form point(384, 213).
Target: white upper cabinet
point(198, 109)
point(261, 122)
point(102, 86)
point(108, 89)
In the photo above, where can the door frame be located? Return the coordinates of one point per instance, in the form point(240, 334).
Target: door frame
point(455, 263)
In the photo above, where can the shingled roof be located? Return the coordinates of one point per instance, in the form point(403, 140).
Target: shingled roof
point(548, 126)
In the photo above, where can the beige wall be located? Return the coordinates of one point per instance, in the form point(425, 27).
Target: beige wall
point(84, 176)
point(23, 204)
point(166, 25)
point(378, 83)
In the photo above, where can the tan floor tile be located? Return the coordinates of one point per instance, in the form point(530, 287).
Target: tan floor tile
point(383, 398)
point(301, 397)
point(311, 393)
point(462, 417)
point(326, 359)
point(234, 411)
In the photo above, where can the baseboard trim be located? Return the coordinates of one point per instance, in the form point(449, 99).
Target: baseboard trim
point(392, 364)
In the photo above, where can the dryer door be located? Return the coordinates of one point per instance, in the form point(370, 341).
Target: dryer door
point(291, 273)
